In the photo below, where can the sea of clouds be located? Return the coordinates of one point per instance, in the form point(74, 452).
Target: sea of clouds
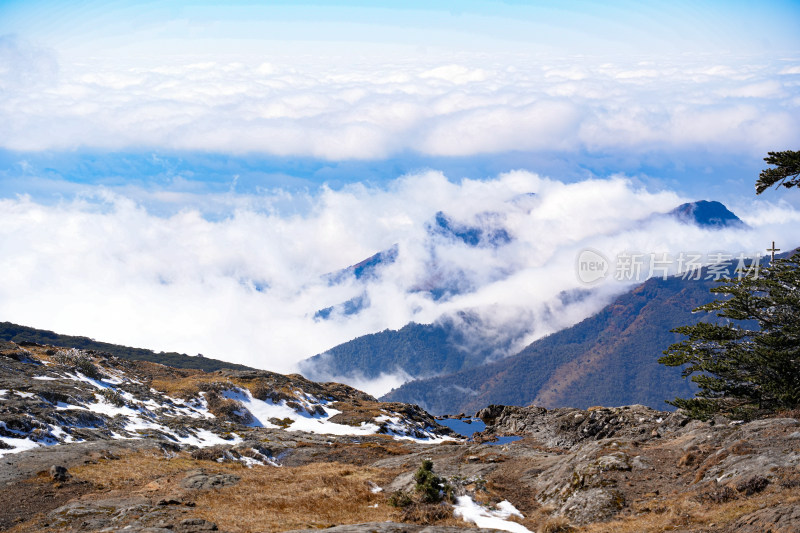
point(445, 107)
point(247, 287)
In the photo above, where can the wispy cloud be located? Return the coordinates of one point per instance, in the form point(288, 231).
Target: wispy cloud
point(246, 287)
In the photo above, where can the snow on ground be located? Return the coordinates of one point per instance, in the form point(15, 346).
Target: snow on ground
point(395, 427)
point(204, 438)
point(137, 417)
point(21, 443)
point(91, 381)
point(176, 407)
point(136, 414)
point(489, 518)
point(17, 445)
point(262, 411)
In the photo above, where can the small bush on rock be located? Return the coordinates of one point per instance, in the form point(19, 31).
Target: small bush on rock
point(113, 397)
point(753, 485)
point(718, 495)
point(430, 487)
point(79, 361)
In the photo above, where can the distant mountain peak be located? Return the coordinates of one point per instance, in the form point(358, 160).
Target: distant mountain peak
point(707, 214)
point(494, 235)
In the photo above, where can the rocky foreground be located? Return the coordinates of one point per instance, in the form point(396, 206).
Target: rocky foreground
point(92, 443)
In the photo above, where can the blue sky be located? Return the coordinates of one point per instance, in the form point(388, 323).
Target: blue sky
point(684, 94)
point(181, 175)
point(496, 26)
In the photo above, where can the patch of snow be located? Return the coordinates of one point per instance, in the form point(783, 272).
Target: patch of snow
point(263, 411)
point(249, 462)
point(394, 426)
point(114, 377)
point(59, 433)
point(78, 376)
point(61, 406)
point(204, 438)
point(193, 407)
point(104, 407)
point(482, 517)
point(17, 445)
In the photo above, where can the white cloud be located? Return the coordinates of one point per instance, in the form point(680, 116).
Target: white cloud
point(374, 110)
point(246, 287)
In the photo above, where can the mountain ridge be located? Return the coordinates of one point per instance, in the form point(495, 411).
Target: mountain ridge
point(20, 334)
point(593, 362)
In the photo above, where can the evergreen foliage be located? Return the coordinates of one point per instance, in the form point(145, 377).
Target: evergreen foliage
point(749, 363)
point(430, 487)
point(787, 172)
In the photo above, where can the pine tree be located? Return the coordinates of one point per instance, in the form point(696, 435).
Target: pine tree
point(787, 172)
point(748, 363)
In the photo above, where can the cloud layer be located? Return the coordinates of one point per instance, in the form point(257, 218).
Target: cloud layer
point(375, 110)
point(246, 287)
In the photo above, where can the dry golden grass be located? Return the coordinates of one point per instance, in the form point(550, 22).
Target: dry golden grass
point(135, 470)
point(266, 498)
point(311, 496)
point(189, 386)
point(683, 512)
point(558, 524)
point(355, 412)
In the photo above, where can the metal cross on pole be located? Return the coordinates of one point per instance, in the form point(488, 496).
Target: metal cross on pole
point(772, 251)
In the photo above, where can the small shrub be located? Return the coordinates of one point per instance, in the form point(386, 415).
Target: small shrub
point(79, 361)
point(88, 369)
point(753, 485)
point(113, 397)
point(400, 498)
point(718, 495)
point(282, 423)
point(431, 488)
